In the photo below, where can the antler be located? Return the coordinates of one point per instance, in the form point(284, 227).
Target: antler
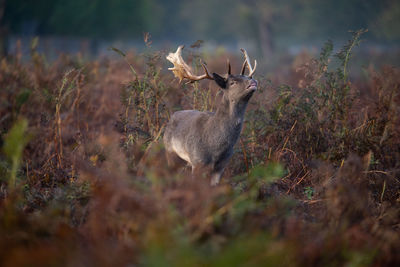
point(247, 62)
point(182, 70)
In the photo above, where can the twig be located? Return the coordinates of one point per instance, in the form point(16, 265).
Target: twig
point(383, 190)
point(313, 201)
point(245, 156)
point(290, 131)
point(139, 172)
point(301, 179)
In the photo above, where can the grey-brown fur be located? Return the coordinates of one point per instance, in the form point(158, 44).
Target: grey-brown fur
point(206, 139)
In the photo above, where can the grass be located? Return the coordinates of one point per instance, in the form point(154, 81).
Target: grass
point(83, 178)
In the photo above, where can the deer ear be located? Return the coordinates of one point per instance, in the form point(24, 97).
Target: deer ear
point(221, 81)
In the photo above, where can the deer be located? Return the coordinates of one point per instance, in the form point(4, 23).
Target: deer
point(206, 140)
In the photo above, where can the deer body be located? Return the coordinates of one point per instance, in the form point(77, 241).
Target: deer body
point(206, 139)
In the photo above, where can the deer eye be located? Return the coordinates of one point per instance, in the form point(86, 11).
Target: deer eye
point(232, 82)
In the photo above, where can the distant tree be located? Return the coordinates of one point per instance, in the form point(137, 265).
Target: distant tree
point(25, 16)
point(3, 30)
point(264, 19)
point(91, 18)
point(309, 20)
point(332, 19)
point(266, 22)
point(101, 18)
point(208, 19)
point(387, 23)
point(19, 16)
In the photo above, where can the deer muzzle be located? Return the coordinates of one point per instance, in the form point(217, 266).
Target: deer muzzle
point(252, 86)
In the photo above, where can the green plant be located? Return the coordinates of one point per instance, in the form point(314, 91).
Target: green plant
point(309, 192)
point(317, 115)
point(14, 144)
point(68, 85)
point(345, 53)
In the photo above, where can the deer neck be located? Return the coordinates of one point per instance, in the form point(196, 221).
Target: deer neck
point(229, 113)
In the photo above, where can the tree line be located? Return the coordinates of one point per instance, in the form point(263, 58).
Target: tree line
point(263, 21)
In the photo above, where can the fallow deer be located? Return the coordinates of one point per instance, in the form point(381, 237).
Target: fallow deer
point(206, 139)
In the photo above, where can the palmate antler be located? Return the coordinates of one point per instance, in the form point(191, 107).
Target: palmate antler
point(248, 64)
point(182, 70)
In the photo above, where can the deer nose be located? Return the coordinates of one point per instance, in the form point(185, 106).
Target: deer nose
point(252, 85)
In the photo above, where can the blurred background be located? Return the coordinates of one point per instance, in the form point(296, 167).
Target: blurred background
point(265, 27)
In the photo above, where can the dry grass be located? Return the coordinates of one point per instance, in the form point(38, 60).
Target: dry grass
point(314, 180)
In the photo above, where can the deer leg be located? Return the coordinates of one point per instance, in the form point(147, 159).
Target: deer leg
point(200, 171)
point(170, 160)
point(196, 170)
point(216, 177)
point(173, 159)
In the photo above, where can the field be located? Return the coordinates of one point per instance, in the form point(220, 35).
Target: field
point(314, 181)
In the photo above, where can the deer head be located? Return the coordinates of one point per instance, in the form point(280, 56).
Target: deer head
point(236, 87)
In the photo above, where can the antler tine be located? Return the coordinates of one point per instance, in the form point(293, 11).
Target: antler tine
point(229, 67)
point(182, 70)
point(243, 68)
point(254, 69)
point(206, 75)
point(247, 62)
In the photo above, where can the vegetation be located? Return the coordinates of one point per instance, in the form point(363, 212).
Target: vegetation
point(268, 23)
point(83, 176)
